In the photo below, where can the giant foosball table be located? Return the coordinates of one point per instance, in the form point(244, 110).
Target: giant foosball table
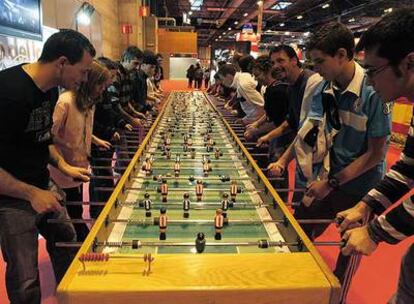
point(194, 220)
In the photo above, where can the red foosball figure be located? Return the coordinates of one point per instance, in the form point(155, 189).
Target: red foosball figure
point(218, 223)
point(177, 169)
point(163, 223)
point(234, 189)
point(199, 190)
point(218, 153)
point(164, 190)
point(206, 169)
point(147, 167)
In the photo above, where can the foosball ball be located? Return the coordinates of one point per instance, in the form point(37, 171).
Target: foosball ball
point(194, 220)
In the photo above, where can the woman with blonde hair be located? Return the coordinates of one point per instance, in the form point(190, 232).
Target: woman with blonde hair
point(72, 135)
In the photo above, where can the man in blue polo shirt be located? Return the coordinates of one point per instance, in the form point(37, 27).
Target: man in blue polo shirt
point(354, 112)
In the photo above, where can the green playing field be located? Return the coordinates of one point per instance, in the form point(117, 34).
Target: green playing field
point(245, 208)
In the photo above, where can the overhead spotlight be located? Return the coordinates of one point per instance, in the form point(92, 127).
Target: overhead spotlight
point(299, 17)
point(219, 37)
point(84, 13)
point(224, 33)
point(216, 39)
point(236, 22)
point(245, 14)
point(229, 28)
point(326, 5)
point(351, 20)
point(287, 33)
point(292, 36)
point(282, 24)
point(306, 34)
point(388, 10)
point(190, 13)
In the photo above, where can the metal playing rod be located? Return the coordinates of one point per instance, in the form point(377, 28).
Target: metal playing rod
point(155, 221)
point(260, 243)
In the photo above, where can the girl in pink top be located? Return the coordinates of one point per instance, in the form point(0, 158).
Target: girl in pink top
point(72, 135)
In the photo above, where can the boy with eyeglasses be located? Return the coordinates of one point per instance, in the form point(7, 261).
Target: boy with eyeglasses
point(353, 111)
point(389, 61)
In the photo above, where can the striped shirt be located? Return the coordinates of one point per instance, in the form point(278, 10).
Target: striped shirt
point(397, 224)
point(361, 115)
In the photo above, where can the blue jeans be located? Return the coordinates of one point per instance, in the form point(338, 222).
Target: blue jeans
point(19, 230)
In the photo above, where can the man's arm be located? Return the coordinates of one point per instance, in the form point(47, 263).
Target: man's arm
point(377, 147)
point(277, 168)
point(134, 121)
point(279, 131)
point(77, 173)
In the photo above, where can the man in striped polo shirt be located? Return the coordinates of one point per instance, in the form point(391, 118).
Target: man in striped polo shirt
point(389, 51)
point(353, 111)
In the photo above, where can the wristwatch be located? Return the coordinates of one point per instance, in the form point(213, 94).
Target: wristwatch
point(333, 182)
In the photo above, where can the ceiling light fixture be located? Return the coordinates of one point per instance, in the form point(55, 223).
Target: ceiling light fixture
point(299, 17)
point(326, 5)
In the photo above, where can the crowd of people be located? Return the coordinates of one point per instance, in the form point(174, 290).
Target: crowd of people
point(58, 115)
point(335, 122)
point(66, 110)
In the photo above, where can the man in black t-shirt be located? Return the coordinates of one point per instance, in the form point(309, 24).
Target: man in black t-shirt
point(28, 94)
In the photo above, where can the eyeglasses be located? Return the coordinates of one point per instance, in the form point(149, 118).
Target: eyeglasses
point(374, 71)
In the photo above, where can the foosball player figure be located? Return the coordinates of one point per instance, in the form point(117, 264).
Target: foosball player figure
point(151, 159)
point(167, 152)
point(209, 148)
point(186, 205)
point(211, 142)
point(189, 141)
point(177, 169)
point(206, 169)
point(234, 189)
point(218, 153)
point(185, 139)
point(185, 147)
point(193, 153)
point(199, 190)
point(167, 140)
point(200, 242)
point(147, 204)
point(218, 223)
point(147, 167)
point(225, 204)
point(164, 190)
point(163, 223)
